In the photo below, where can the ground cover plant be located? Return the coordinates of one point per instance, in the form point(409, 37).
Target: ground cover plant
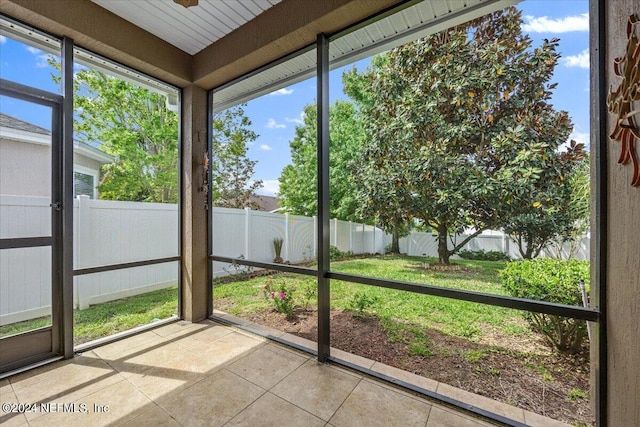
point(490, 351)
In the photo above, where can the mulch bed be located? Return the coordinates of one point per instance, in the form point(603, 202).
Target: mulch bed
point(523, 374)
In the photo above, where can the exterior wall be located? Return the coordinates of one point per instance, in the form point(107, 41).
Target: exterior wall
point(623, 250)
point(25, 169)
point(87, 163)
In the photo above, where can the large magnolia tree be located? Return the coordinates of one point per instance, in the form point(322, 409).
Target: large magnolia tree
point(461, 133)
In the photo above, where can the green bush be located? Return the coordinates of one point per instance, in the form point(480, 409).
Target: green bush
point(335, 253)
point(360, 301)
point(554, 281)
point(483, 255)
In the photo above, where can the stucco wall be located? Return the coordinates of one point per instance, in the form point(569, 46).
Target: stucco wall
point(623, 248)
point(25, 169)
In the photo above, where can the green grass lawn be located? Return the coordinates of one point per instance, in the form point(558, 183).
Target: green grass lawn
point(242, 297)
point(109, 318)
point(452, 317)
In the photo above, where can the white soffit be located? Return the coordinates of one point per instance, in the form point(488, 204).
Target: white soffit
point(417, 21)
point(189, 29)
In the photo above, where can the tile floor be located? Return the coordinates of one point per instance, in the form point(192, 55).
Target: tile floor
point(208, 374)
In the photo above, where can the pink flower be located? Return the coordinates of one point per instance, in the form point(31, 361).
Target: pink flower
point(282, 295)
point(273, 294)
point(265, 287)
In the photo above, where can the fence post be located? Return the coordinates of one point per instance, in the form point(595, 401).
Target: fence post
point(373, 233)
point(335, 232)
point(350, 238)
point(286, 236)
point(315, 236)
point(247, 232)
point(84, 228)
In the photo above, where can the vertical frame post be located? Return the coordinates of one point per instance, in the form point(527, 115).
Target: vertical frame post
point(66, 261)
point(599, 140)
point(323, 230)
point(209, 202)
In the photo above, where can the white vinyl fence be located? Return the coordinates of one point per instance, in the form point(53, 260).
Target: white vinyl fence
point(111, 232)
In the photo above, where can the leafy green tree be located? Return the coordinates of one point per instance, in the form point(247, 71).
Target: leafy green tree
point(135, 126)
point(232, 170)
point(298, 181)
point(459, 127)
point(550, 209)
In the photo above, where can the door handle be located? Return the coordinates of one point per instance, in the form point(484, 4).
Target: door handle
point(56, 205)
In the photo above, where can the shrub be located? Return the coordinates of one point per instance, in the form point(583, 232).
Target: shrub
point(554, 281)
point(281, 297)
point(277, 247)
point(335, 253)
point(483, 255)
point(360, 301)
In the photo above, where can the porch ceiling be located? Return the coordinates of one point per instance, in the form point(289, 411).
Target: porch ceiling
point(189, 29)
point(220, 40)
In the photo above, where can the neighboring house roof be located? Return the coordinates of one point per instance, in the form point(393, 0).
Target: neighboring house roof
point(265, 203)
point(9, 122)
point(19, 130)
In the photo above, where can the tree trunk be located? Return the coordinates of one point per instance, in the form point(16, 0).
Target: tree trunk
point(443, 249)
point(395, 240)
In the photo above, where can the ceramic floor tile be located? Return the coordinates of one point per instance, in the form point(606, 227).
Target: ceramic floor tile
point(232, 346)
point(112, 405)
point(270, 410)
point(4, 386)
point(408, 377)
point(162, 356)
point(202, 340)
point(485, 403)
point(65, 382)
point(157, 383)
point(267, 365)
point(10, 416)
point(66, 368)
point(373, 404)
point(212, 401)
point(129, 346)
point(153, 417)
point(317, 388)
point(179, 328)
point(439, 417)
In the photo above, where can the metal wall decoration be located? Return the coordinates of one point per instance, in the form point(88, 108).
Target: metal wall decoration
point(624, 101)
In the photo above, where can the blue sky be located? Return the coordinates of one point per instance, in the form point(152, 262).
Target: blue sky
point(275, 116)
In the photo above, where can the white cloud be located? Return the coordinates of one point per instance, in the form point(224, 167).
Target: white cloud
point(580, 60)
point(272, 124)
point(283, 91)
point(270, 187)
point(41, 57)
point(265, 147)
point(297, 120)
point(567, 24)
point(3, 39)
point(580, 137)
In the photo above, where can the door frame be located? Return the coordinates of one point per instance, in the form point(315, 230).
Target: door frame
point(44, 343)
